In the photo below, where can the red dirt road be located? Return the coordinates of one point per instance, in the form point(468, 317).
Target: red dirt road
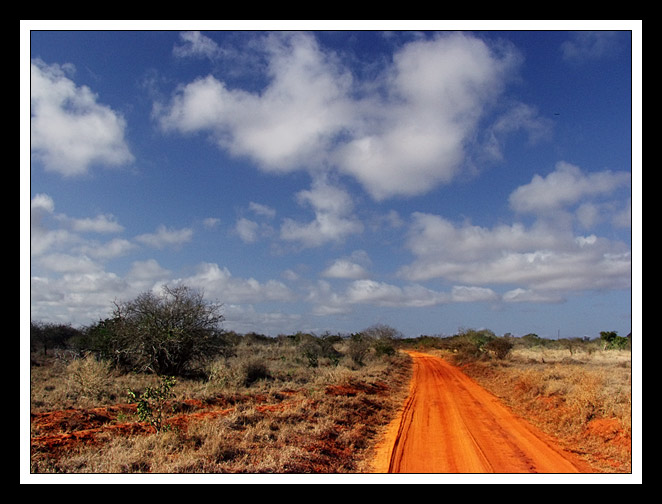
point(449, 424)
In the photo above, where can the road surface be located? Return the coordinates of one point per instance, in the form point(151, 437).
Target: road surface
point(449, 424)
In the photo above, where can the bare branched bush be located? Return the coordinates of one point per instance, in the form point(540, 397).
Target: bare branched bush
point(167, 333)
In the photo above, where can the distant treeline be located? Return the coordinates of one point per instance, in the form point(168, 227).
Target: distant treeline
point(176, 330)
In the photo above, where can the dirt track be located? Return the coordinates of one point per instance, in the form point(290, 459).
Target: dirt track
point(449, 424)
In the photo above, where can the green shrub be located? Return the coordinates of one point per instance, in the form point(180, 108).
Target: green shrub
point(151, 404)
point(612, 341)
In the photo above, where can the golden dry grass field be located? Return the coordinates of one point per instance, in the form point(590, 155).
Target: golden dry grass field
point(266, 409)
point(272, 408)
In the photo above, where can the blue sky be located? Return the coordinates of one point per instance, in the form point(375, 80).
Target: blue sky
point(331, 180)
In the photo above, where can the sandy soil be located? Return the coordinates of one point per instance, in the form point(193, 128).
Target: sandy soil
point(449, 424)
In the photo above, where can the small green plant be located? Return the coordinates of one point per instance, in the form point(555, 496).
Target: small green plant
point(152, 403)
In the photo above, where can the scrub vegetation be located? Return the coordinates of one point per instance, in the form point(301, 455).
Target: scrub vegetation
point(159, 387)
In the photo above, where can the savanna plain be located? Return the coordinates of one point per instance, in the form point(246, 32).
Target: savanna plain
point(307, 404)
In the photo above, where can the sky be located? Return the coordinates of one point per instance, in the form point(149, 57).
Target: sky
point(334, 179)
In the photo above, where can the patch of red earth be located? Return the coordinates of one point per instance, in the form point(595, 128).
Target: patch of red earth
point(355, 388)
point(77, 419)
point(609, 430)
point(54, 431)
point(52, 443)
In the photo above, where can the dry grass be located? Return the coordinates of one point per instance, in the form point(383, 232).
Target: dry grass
point(263, 410)
point(583, 400)
point(267, 410)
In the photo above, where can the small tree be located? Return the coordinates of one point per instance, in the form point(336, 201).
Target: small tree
point(570, 344)
point(531, 340)
point(611, 340)
point(384, 338)
point(165, 333)
point(469, 344)
point(50, 335)
point(501, 347)
point(359, 347)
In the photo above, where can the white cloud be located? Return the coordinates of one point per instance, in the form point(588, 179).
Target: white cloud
point(40, 204)
point(164, 237)
point(148, 270)
point(589, 45)
point(195, 44)
point(69, 130)
point(438, 90)
point(623, 216)
point(98, 224)
point(353, 267)
point(262, 210)
point(519, 117)
point(466, 294)
point(333, 220)
point(70, 282)
point(218, 283)
point(245, 319)
point(326, 301)
point(325, 228)
point(384, 294)
point(145, 276)
point(43, 239)
point(313, 114)
point(285, 125)
point(247, 230)
point(565, 186)
point(344, 268)
point(67, 263)
point(211, 222)
point(537, 258)
point(108, 250)
point(529, 296)
point(75, 297)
